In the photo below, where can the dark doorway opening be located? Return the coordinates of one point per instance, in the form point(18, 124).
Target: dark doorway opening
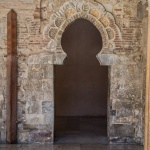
point(81, 87)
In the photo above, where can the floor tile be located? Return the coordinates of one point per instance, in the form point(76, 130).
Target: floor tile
point(70, 147)
point(93, 147)
point(67, 147)
point(37, 147)
point(10, 145)
point(125, 147)
point(110, 147)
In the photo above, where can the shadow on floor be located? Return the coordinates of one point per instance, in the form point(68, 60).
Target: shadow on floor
point(81, 130)
point(70, 147)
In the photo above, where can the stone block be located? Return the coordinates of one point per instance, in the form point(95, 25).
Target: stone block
point(40, 72)
point(47, 107)
point(1, 105)
point(33, 85)
point(23, 70)
point(39, 85)
point(40, 137)
point(122, 130)
point(33, 107)
point(34, 95)
point(0, 113)
point(47, 84)
point(21, 95)
point(123, 140)
point(30, 127)
point(45, 127)
point(108, 59)
point(48, 95)
point(128, 72)
point(49, 118)
point(37, 127)
point(23, 137)
point(59, 58)
point(124, 109)
point(34, 119)
point(1, 124)
point(127, 83)
point(21, 109)
point(41, 59)
point(1, 60)
point(4, 115)
point(3, 136)
point(127, 94)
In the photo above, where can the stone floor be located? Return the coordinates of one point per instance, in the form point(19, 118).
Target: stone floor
point(70, 147)
point(81, 130)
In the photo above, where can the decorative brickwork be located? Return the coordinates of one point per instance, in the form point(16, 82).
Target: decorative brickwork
point(95, 13)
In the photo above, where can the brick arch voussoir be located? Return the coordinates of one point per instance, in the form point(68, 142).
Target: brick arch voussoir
point(67, 14)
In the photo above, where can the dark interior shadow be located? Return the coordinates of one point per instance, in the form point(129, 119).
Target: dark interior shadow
point(81, 84)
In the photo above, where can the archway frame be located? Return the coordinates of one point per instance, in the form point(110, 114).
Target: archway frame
point(53, 26)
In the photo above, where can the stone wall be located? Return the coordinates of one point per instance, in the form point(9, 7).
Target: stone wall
point(40, 27)
point(144, 46)
point(3, 52)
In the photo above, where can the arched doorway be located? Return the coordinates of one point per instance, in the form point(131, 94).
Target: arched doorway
point(81, 86)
